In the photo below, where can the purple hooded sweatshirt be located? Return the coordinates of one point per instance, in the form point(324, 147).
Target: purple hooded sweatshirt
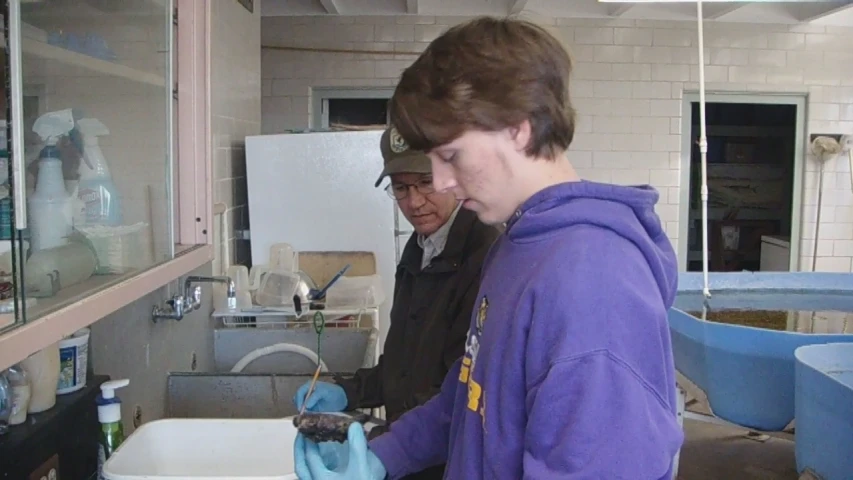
point(568, 370)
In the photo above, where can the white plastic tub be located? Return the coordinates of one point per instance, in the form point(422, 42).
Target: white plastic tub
point(73, 362)
point(206, 449)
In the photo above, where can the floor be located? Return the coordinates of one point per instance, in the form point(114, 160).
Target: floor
point(715, 452)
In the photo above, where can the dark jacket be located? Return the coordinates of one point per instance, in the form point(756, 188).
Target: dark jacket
point(429, 322)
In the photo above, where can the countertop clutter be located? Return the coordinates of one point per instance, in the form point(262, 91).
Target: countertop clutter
point(63, 439)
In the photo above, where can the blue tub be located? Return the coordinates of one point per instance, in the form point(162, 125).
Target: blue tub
point(748, 373)
point(824, 399)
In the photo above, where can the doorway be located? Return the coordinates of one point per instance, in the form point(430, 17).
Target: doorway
point(755, 176)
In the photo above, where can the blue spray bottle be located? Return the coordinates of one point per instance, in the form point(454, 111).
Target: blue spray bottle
point(96, 190)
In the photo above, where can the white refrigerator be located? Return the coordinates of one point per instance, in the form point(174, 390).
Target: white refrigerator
point(315, 191)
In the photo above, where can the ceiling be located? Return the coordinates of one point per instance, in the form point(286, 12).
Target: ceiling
point(834, 12)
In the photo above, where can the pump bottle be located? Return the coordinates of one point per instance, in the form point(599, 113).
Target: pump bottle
point(109, 415)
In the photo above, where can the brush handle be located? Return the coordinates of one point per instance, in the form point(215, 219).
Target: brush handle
point(310, 389)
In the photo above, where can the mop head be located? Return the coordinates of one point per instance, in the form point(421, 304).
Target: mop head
point(823, 147)
point(326, 427)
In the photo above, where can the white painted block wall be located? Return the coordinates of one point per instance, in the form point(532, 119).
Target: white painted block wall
point(628, 84)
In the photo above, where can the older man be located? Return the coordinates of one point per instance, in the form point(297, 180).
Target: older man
point(436, 285)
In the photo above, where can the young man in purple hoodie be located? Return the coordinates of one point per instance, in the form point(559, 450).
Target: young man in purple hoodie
point(568, 369)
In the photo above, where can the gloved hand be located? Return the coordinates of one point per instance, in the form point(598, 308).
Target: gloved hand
point(332, 460)
point(326, 397)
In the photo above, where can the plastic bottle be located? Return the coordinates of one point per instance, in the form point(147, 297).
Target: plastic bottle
point(5, 403)
point(109, 415)
point(20, 384)
point(96, 190)
point(42, 370)
point(49, 206)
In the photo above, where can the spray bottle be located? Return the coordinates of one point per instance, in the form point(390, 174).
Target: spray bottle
point(50, 205)
point(109, 415)
point(96, 189)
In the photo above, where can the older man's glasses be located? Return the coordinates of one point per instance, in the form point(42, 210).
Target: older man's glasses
point(399, 190)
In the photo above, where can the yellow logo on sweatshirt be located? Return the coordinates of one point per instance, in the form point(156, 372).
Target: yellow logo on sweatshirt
point(469, 361)
point(481, 315)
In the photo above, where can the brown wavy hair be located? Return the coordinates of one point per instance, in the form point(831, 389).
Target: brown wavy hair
point(487, 74)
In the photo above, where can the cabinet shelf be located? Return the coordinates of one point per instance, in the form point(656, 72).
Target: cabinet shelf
point(67, 57)
point(31, 336)
point(92, 9)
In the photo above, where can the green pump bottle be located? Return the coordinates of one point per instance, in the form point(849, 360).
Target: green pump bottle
point(109, 415)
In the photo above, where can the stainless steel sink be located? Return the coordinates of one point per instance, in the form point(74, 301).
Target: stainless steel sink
point(342, 349)
point(266, 386)
point(224, 395)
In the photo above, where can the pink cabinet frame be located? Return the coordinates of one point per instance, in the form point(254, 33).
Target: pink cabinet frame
point(192, 202)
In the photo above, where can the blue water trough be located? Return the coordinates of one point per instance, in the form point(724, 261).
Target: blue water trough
point(748, 373)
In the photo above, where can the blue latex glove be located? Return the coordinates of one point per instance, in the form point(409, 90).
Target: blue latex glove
point(326, 397)
point(332, 460)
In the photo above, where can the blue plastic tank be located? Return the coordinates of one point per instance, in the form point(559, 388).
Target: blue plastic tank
point(824, 410)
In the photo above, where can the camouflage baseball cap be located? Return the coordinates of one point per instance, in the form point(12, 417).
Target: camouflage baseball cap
point(399, 158)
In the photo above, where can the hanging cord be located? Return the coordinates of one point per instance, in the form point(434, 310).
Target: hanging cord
point(703, 151)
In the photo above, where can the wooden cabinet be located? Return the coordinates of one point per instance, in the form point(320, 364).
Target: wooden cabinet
point(103, 205)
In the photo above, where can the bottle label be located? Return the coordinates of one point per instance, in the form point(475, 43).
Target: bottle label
point(92, 204)
point(67, 372)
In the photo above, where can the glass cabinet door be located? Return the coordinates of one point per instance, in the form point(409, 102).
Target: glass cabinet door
point(90, 116)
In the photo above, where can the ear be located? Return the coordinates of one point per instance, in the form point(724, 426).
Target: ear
point(520, 135)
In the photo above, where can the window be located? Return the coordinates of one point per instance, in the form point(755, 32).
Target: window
point(354, 106)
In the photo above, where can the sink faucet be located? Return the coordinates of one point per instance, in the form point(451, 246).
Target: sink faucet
point(190, 300)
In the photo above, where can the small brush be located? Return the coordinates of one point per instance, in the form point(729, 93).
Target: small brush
point(310, 390)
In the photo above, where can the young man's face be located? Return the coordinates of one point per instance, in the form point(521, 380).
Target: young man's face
point(476, 169)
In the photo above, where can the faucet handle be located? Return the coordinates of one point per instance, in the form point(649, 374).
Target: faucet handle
point(195, 303)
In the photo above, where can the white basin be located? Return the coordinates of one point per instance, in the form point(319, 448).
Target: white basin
point(206, 449)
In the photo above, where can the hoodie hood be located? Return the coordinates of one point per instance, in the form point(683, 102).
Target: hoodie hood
point(625, 210)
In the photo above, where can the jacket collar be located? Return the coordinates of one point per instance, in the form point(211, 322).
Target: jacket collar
point(449, 258)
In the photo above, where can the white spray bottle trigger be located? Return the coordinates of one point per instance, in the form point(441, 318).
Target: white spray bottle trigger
point(91, 129)
point(108, 388)
point(53, 125)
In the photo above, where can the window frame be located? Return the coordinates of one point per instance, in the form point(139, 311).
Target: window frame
point(320, 97)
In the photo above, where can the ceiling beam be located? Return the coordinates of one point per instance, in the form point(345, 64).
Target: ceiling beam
point(330, 6)
point(809, 12)
point(618, 9)
point(517, 6)
point(412, 7)
point(713, 12)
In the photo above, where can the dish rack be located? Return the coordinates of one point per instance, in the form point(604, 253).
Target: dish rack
point(264, 293)
point(266, 317)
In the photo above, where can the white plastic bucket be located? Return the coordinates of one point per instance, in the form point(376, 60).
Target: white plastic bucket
point(73, 362)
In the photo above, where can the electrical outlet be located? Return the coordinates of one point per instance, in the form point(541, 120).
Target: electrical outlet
point(49, 470)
